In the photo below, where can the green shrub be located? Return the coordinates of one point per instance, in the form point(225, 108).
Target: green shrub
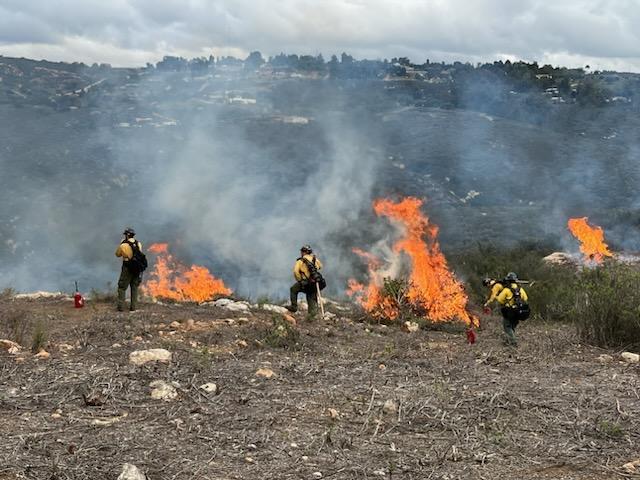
point(281, 334)
point(39, 337)
point(607, 308)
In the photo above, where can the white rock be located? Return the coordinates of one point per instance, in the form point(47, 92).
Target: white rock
point(265, 373)
point(131, 472)
point(163, 390)
point(604, 358)
point(221, 302)
point(39, 295)
point(316, 474)
point(329, 315)
point(140, 357)
point(209, 388)
point(8, 344)
point(632, 467)
point(379, 473)
point(630, 357)
point(410, 327)
point(390, 407)
point(238, 307)
point(274, 308)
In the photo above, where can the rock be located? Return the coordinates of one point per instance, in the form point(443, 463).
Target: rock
point(316, 474)
point(238, 307)
point(561, 258)
point(390, 407)
point(163, 390)
point(190, 324)
point(329, 316)
point(242, 343)
point(379, 473)
point(42, 353)
point(209, 388)
point(221, 302)
point(8, 344)
point(410, 327)
point(290, 318)
point(40, 295)
point(333, 413)
point(630, 357)
point(265, 373)
point(175, 325)
point(131, 472)
point(274, 308)
point(604, 358)
point(632, 467)
point(140, 357)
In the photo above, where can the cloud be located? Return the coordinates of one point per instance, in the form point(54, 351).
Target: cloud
point(130, 32)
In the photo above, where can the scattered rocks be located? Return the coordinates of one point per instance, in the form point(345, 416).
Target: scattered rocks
point(604, 358)
point(275, 308)
point(140, 357)
point(632, 467)
point(630, 357)
point(9, 346)
point(290, 318)
point(42, 353)
point(131, 472)
point(410, 327)
point(390, 407)
point(229, 304)
point(265, 373)
point(163, 390)
point(209, 388)
point(333, 413)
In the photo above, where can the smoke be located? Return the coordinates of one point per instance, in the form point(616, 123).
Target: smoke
point(238, 186)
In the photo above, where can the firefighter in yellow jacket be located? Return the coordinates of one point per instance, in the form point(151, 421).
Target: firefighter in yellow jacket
point(515, 307)
point(128, 278)
point(302, 274)
point(495, 289)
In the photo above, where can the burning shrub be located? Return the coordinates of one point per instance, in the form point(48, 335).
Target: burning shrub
point(607, 309)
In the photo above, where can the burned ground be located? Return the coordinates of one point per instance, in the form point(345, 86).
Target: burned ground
point(347, 399)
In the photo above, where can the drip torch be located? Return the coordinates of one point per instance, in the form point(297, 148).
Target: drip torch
point(78, 299)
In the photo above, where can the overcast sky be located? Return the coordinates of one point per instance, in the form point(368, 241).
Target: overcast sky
point(604, 34)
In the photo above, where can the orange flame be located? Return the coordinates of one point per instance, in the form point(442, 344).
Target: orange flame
point(432, 284)
point(172, 280)
point(592, 243)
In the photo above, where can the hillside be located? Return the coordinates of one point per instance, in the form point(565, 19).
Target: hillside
point(345, 400)
point(232, 165)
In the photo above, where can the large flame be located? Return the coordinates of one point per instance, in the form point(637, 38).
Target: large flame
point(172, 280)
point(592, 243)
point(432, 284)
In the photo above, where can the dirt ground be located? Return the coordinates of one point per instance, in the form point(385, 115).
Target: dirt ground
point(347, 399)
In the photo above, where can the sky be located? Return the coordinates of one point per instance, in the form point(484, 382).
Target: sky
point(604, 34)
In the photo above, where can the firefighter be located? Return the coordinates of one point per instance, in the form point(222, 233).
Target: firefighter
point(495, 288)
point(515, 308)
point(302, 274)
point(128, 277)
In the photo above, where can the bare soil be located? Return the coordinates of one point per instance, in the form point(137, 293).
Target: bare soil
point(546, 410)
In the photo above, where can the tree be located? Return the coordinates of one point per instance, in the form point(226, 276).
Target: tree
point(254, 61)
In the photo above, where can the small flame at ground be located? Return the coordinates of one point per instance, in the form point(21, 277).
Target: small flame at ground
point(591, 239)
point(172, 280)
point(432, 284)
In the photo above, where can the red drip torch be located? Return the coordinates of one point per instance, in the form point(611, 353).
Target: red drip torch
point(78, 300)
point(471, 336)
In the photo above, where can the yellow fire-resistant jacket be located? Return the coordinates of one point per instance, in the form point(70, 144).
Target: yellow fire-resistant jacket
point(125, 251)
point(301, 270)
point(496, 288)
point(506, 296)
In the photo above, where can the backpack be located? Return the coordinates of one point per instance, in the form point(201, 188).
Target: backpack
point(138, 262)
point(314, 275)
point(520, 308)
